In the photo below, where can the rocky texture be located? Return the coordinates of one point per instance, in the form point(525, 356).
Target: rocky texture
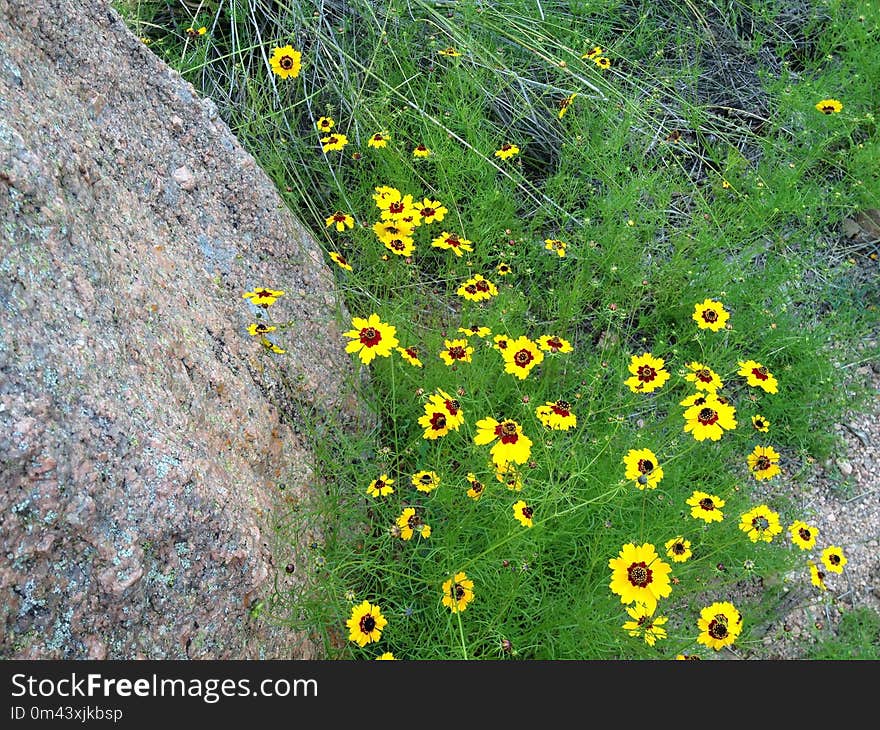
point(143, 432)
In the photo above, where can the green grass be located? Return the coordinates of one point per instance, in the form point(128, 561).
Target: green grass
point(695, 167)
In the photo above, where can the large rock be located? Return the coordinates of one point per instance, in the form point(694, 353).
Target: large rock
point(144, 434)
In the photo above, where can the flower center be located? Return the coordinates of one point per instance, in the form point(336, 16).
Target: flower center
point(760, 372)
point(828, 109)
point(507, 431)
point(438, 422)
point(707, 504)
point(378, 138)
point(370, 336)
point(646, 465)
point(261, 328)
point(527, 512)
point(412, 352)
point(759, 423)
point(426, 479)
point(639, 574)
point(457, 591)
point(762, 463)
point(367, 624)
point(710, 315)
point(477, 487)
point(834, 559)
point(452, 406)
point(561, 408)
point(453, 241)
point(483, 286)
point(414, 521)
point(760, 523)
point(471, 289)
point(502, 344)
point(678, 548)
point(718, 628)
point(457, 352)
point(286, 62)
point(646, 373)
point(428, 212)
point(396, 208)
point(707, 416)
point(397, 245)
point(523, 358)
point(379, 484)
point(704, 375)
point(333, 140)
point(804, 534)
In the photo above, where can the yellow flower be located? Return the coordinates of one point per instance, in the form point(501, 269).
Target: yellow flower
point(408, 523)
point(456, 351)
point(507, 151)
point(425, 481)
point(503, 269)
point(758, 376)
point(263, 297)
point(388, 230)
point(458, 592)
point(340, 260)
point(817, 577)
point(829, 106)
point(431, 211)
point(477, 487)
point(475, 329)
point(643, 466)
point(594, 53)
point(763, 462)
point(271, 346)
point(554, 344)
point(523, 513)
point(602, 62)
point(452, 241)
point(720, 624)
point(640, 576)
point(435, 421)
point(259, 328)
point(381, 487)
point(421, 151)
point(678, 549)
point(286, 62)
point(411, 355)
point(760, 523)
point(334, 141)
point(710, 315)
point(564, 104)
point(706, 507)
point(554, 244)
point(371, 338)
point(341, 220)
point(711, 419)
point(647, 373)
point(556, 415)
point(366, 624)
point(645, 625)
point(510, 476)
point(511, 444)
point(803, 535)
point(502, 342)
point(761, 424)
point(450, 51)
point(402, 246)
point(386, 656)
point(703, 377)
point(396, 207)
point(325, 124)
point(379, 140)
point(521, 357)
point(384, 193)
point(454, 413)
point(477, 289)
point(833, 559)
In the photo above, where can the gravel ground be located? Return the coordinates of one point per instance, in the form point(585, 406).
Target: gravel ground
point(842, 500)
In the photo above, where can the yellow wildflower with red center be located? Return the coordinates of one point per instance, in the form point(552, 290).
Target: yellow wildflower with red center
point(829, 106)
point(602, 62)
point(371, 338)
point(645, 625)
point(758, 376)
point(262, 296)
point(387, 230)
point(763, 462)
point(521, 356)
point(817, 577)
point(678, 549)
point(511, 444)
point(409, 523)
point(456, 351)
point(643, 466)
point(647, 373)
point(400, 247)
point(340, 260)
point(477, 330)
point(564, 104)
point(450, 51)
point(381, 193)
point(451, 406)
point(421, 151)
point(379, 140)
point(381, 486)
point(760, 423)
point(425, 481)
point(502, 342)
point(271, 346)
point(720, 624)
point(640, 576)
point(325, 124)
point(833, 559)
point(410, 355)
point(340, 220)
point(434, 421)
point(705, 506)
point(431, 211)
point(510, 476)
point(803, 535)
point(711, 419)
point(452, 241)
point(554, 244)
point(333, 141)
point(760, 523)
point(710, 315)
point(554, 344)
point(556, 415)
point(594, 52)
point(260, 328)
point(506, 151)
point(286, 62)
point(458, 592)
point(523, 513)
point(365, 624)
point(386, 657)
point(476, 486)
point(699, 398)
point(503, 269)
point(395, 207)
point(477, 289)
point(703, 377)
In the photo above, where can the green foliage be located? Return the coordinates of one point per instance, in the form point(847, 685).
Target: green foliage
point(695, 167)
